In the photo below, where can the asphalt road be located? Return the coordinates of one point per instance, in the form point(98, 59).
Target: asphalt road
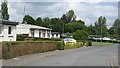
point(86, 56)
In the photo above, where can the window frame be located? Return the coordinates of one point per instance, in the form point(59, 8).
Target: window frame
point(40, 33)
point(9, 30)
point(32, 33)
point(1, 30)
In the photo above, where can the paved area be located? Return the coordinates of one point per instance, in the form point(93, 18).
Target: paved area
point(86, 56)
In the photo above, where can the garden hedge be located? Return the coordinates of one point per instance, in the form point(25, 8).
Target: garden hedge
point(20, 48)
point(15, 49)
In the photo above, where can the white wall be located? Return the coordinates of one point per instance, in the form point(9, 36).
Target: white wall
point(22, 31)
point(36, 34)
point(8, 37)
point(25, 29)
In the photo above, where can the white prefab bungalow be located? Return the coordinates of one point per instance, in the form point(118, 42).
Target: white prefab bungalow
point(7, 30)
point(34, 31)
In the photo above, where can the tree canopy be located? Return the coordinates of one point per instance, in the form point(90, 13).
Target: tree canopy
point(69, 17)
point(28, 20)
point(68, 24)
point(80, 35)
point(114, 31)
point(101, 27)
point(38, 21)
point(4, 10)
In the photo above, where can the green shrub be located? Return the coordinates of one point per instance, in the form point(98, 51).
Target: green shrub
point(89, 43)
point(60, 46)
point(21, 37)
point(80, 35)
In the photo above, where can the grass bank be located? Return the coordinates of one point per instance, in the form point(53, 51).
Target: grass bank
point(101, 43)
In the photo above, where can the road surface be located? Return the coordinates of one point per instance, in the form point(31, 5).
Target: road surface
point(86, 56)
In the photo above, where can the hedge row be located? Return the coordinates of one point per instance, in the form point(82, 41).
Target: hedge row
point(15, 49)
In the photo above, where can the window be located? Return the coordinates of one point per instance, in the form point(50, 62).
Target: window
point(48, 34)
point(56, 34)
point(43, 33)
point(0, 30)
point(39, 33)
point(9, 30)
point(32, 33)
point(52, 35)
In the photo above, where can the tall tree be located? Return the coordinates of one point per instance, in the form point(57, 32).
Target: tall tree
point(115, 29)
point(46, 22)
point(56, 25)
point(101, 27)
point(69, 16)
point(28, 20)
point(38, 21)
point(4, 10)
point(80, 35)
point(91, 30)
point(73, 26)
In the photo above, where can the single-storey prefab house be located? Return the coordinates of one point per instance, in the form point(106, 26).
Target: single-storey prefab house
point(7, 30)
point(34, 31)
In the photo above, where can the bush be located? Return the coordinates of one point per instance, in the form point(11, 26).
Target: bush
point(21, 37)
point(80, 35)
point(90, 43)
point(60, 46)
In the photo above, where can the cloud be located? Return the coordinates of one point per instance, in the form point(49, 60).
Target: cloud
point(90, 12)
point(86, 11)
point(90, 1)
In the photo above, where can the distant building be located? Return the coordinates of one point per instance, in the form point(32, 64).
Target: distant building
point(34, 31)
point(94, 36)
point(7, 30)
point(67, 35)
point(55, 35)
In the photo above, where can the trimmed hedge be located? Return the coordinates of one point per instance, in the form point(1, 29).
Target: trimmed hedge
point(20, 48)
point(15, 49)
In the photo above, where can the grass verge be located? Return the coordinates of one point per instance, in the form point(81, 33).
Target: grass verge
point(101, 43)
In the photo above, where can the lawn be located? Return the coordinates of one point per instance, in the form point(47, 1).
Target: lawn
point(101, 43)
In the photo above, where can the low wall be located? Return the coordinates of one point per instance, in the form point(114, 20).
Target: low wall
point(15, 49)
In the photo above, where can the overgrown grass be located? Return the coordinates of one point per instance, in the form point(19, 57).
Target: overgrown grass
point(101, 43)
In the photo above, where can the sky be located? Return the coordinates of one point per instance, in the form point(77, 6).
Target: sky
point(88, 10)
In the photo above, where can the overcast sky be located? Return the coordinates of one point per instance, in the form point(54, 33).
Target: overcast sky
point(88, 11)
